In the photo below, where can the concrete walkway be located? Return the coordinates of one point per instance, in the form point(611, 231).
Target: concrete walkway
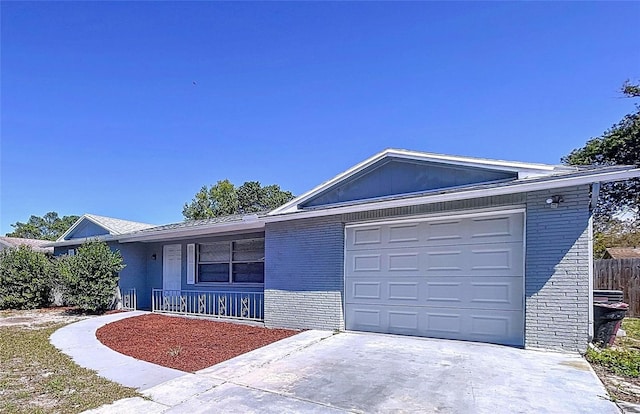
point(78, 340)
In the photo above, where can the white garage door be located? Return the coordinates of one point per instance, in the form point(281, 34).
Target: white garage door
point(458, 278)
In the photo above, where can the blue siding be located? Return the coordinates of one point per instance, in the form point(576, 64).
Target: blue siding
point(304, 270)
point(154, 267)
point(86, 229)
point(396, 176)
point(134, 275)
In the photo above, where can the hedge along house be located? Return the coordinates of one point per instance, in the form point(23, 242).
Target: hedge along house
point(405, 242)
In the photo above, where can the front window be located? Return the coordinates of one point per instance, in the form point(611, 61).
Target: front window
point(239, 261)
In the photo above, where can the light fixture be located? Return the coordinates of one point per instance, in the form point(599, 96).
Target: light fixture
point(553, 201)
point(153, 256)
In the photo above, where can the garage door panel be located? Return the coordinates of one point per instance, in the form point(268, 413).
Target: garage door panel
point(499, 259)
point(366, 236)
point(504, 327)
point(403, 233)
point(458, 278)
point(478, 230)
point(495, 228)
point(465, 292)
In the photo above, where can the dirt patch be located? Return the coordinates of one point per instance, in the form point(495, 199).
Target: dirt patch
point(187, 344)
point(36, 318)
point(625, 389)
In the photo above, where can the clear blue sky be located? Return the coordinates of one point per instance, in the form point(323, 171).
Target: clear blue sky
point(100, 113)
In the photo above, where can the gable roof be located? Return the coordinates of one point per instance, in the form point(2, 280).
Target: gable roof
point(37, 245)
point(523, 177)
point(113, 226)
point(623, 252)
point(523, 172)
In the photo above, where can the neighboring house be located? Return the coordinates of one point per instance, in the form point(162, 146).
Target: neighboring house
point(622, 253)
point(36, 245)
point(405, 242)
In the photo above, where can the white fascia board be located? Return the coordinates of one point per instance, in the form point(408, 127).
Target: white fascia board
point(72, 228)
point(524, 170)
point(92, 219)
point(186, 232)
point(291, 206)
point(72, 242)
point(514, 166)
point(460, 195)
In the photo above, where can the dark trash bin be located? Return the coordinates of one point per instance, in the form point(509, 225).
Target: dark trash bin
point(607, 318)
point(607, 296)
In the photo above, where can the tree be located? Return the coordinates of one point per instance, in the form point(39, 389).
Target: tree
point(48, 227)
point(618, 145)
point(224, 198)
point(24, 278)
point(90, 277)
point(617, 233)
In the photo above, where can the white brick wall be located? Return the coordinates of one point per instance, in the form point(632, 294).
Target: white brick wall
point(557, 271)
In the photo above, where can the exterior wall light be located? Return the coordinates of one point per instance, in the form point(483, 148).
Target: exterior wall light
point(154, 257)
point(553, 201)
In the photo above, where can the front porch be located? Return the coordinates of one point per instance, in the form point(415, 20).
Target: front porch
point(223, 304)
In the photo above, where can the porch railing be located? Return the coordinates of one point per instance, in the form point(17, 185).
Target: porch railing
point(235, 305)
point(129, 299)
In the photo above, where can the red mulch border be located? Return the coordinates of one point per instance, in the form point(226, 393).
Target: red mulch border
point(186, 344)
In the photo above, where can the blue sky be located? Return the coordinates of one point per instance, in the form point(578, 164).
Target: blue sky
point(100, 113)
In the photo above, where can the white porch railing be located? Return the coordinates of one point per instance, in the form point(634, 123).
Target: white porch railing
point(236, 305)
point(129, 299)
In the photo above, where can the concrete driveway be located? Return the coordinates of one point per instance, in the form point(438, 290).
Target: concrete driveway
point(318, 372)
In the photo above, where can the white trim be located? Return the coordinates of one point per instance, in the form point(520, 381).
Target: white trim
point(524, 278)
point(191, 264)
point(75, 225)
point(595, 194)
point(459, 195)
point(524, 170)
point(591, 277)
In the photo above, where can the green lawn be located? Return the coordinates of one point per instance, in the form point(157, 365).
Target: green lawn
point(37, 378)
point(624, 357)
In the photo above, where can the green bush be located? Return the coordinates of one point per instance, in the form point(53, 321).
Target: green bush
point(90, 277)
point(24, 279)
point(620, 362)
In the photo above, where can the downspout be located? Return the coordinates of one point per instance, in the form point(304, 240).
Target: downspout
point(595, 192)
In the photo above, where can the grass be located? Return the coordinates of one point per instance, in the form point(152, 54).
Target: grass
point(618, 361)
point(37, 378)
point(624, 358)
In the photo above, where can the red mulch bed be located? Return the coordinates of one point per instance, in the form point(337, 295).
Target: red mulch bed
point(186, 344)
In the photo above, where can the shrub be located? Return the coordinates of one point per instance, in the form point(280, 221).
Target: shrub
point(618, 361)
point(24, 278)
point(90, 278)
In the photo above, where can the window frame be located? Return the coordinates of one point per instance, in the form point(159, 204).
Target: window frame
point(231, 262)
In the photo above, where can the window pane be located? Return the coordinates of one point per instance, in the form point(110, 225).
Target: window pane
point(218, 272)
point(248, 250)
point(214, 252)
point(248, 272)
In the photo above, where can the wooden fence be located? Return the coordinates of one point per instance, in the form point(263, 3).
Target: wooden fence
point(620, 274)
